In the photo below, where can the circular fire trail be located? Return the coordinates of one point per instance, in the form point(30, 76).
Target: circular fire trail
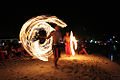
point(32, 30)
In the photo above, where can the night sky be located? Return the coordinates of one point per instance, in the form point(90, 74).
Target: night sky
point(81, 22)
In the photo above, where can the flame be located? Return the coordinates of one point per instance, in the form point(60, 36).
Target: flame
point(73, 40)
point(29, 30)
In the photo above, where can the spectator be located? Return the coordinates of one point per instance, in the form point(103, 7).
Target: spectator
point(1, 54)
point(66, 39)
point(83, 49)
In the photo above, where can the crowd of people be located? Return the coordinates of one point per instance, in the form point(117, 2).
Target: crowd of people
point(11, 51)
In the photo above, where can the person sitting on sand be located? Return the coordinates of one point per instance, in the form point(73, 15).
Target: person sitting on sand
point(83, 50)
point(1, 54)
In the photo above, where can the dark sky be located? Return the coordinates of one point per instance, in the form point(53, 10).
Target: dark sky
point(82, 22)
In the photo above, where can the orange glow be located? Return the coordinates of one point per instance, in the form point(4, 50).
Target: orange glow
point(73, 43)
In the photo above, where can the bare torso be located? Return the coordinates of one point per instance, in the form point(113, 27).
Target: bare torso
point(67, 38)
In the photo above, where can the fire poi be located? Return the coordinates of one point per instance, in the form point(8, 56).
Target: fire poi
point(73, 41)
point(33, 45)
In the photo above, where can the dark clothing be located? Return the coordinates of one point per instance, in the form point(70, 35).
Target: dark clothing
point(56, 50)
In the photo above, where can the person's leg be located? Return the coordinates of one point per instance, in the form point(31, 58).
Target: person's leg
point(80, 52)
point(66, 49)
point(69, 50)
point(85, 51)
point(55, 57)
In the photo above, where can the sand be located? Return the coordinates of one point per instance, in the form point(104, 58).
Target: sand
point(79, 67)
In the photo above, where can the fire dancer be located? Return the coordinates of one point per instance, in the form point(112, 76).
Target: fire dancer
point(56, 44)
point(66, 39)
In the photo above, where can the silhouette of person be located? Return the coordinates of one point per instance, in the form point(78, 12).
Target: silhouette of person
point(56, 44)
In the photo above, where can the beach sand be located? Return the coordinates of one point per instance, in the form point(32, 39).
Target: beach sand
point(78, 67)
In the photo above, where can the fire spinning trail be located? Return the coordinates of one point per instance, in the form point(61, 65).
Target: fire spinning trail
point(73, 40)
point(30, 32)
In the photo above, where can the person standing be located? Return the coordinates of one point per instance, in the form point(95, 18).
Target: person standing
point(66, 39)
point(57, 38)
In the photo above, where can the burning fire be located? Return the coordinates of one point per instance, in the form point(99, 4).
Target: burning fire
point(73, 43)
point(28, 33)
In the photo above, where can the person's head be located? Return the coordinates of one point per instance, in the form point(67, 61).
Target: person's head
point(82, 45)
point(67, 33)
point(57, 27)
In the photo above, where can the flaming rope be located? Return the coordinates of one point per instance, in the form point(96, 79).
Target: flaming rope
point(28, 34)
point(73, 40)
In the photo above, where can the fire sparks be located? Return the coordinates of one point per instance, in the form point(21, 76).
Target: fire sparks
point(73, 40)
point(28, 33)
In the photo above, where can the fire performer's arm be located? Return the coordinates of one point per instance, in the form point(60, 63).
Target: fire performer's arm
point(51, 34)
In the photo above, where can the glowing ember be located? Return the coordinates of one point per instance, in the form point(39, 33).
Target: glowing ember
point(73, 40)
point(28, 36)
